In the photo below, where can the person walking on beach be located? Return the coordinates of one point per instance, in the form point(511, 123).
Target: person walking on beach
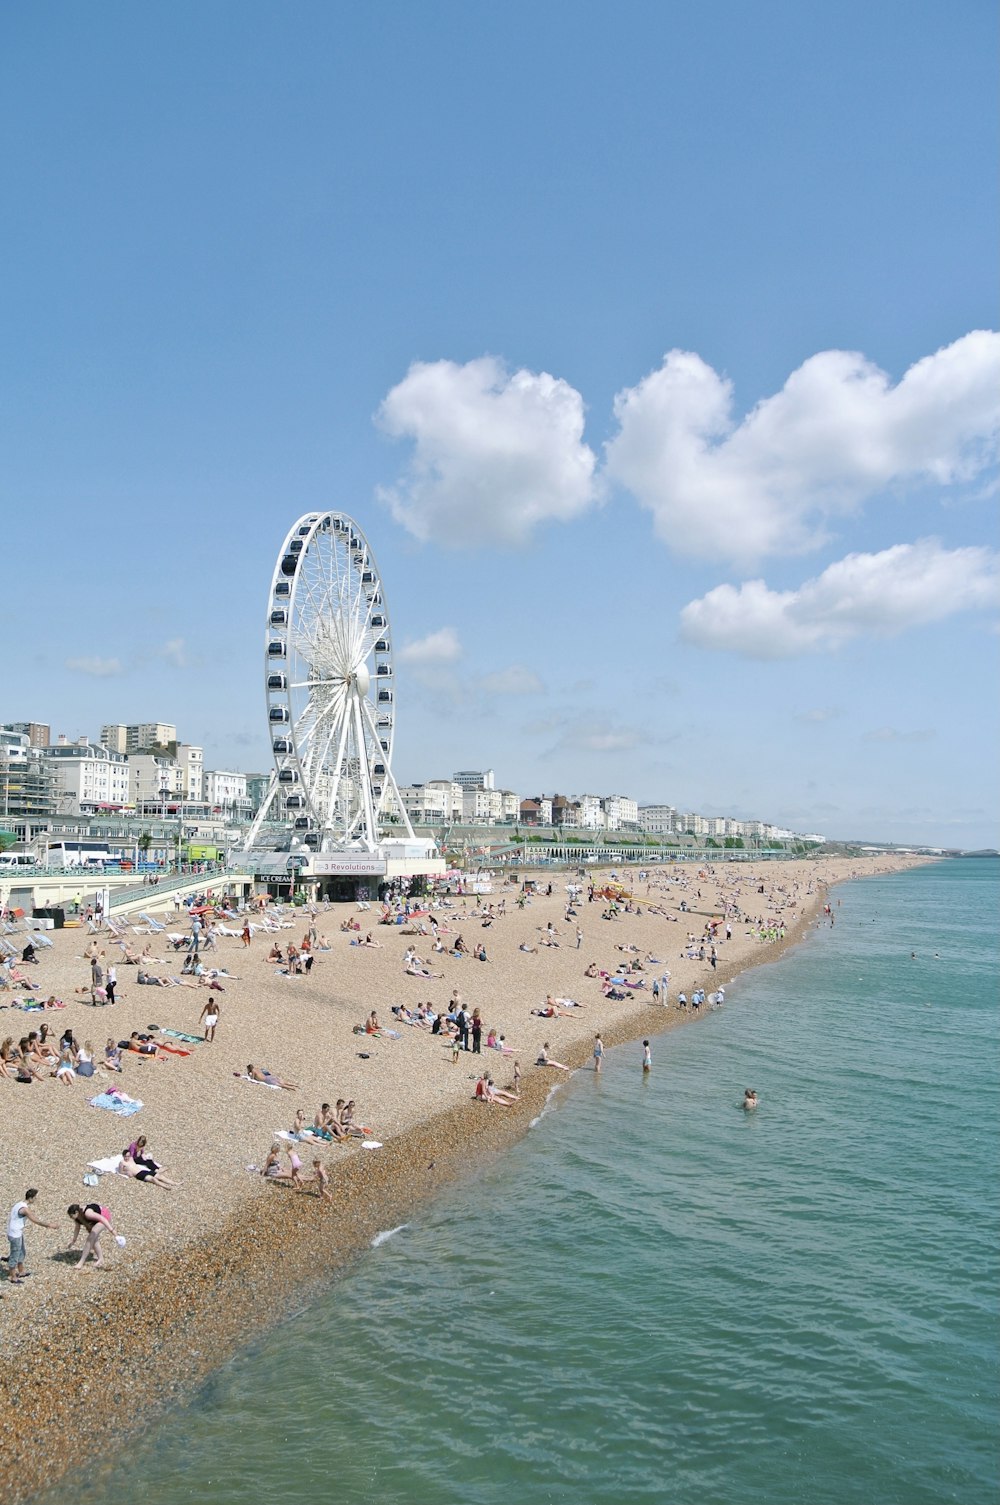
point(647, 1057)
point(20, 1214)
point(598, 1053)
point(210, 1014)
point(246, 934)
point(111, 984)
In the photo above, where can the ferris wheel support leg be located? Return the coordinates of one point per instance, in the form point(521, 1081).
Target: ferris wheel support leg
point(370, 822)
point(335, 785)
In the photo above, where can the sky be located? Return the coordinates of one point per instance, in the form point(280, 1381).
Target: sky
point(653, 346)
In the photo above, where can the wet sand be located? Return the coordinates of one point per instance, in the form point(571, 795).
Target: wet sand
point(213, 1262)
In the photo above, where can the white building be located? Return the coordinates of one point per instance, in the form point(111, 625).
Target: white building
point(88, 777)
point(469, 778)
point(191, 762)
point(658, 820)
point(590, 815)
point(427, 804)
point(154, 780)
point(620, 812)
point(451, 794)
point(227, 792)
point(481, 807)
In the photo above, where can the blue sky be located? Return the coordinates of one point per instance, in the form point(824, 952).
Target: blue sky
point(427, 264)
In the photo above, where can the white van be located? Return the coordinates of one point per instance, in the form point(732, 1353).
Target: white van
point(16, 862)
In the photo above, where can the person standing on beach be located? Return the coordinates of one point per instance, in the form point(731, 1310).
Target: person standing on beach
point(598, 1053)
point(579, 938)
point(111, 983)
point(20, 1214)
point(210, 1014)
point(246, 934)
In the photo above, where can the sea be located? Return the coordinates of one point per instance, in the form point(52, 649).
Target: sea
point(655, 1296)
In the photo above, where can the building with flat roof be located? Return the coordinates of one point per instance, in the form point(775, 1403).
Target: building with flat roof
point(37, 733)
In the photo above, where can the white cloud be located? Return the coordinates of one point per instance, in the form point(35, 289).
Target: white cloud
point(516, 680)
point(905, 586)
point(817, 715)
point(99, 668)
point(441, 647)
point(836, 434)
point(175, 653)
point(496, 453)
point(892, 734)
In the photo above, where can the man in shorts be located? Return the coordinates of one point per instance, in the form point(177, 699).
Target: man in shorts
point(20, 1214)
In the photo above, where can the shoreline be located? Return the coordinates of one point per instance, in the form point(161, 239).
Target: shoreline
point(158, 1328)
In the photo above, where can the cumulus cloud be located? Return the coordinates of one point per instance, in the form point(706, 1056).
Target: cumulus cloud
point(517, 680)
point(495, 452)
point(886, 593)
point(98, 668)
point(441, 647)
point(837, 433)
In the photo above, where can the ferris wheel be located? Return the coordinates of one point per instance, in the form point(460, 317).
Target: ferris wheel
point(328, 683)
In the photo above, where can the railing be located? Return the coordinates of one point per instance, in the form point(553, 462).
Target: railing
point(168, 885)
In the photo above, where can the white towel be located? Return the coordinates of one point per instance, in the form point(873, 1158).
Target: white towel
point(106, 1167)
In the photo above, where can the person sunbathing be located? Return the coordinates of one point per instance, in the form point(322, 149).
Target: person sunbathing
point(544, 1059)
point(531, 950)
point(372, 1026)
point(495, 1094)
point(137, 1172)
point(270, 1078)
point(591, 971)
point(371, 942)
point(416, 968)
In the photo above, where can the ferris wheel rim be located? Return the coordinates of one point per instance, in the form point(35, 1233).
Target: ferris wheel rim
point(343, 620)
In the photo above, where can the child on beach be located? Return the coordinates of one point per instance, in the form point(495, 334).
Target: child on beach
point(321, 1181)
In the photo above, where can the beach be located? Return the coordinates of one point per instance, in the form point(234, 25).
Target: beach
point(211, 1262)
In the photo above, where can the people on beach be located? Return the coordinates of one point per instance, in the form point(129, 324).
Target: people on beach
point(269, 1078)
point(20, 1214)
point(544, 1059)
point(91, 1220)
point(598, 1054)
point(210, 1016)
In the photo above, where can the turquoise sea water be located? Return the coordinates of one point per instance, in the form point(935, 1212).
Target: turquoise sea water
point(655, 1297)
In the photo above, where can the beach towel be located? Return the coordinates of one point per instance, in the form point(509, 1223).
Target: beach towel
point(178, 1034)
point(117, 1102)
point(371, 1144)
point(254, 1083)
point(106, 1167)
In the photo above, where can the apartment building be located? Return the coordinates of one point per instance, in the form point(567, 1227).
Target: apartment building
point(87, 777)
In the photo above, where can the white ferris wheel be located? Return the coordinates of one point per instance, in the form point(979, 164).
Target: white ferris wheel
point(328, 684)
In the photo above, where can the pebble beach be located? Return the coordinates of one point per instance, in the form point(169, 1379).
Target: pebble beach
point(210, 1262)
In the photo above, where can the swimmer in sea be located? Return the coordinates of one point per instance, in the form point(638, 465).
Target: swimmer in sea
point(749, 1099)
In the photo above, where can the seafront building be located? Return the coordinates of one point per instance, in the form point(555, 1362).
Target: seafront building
point(140, 770)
